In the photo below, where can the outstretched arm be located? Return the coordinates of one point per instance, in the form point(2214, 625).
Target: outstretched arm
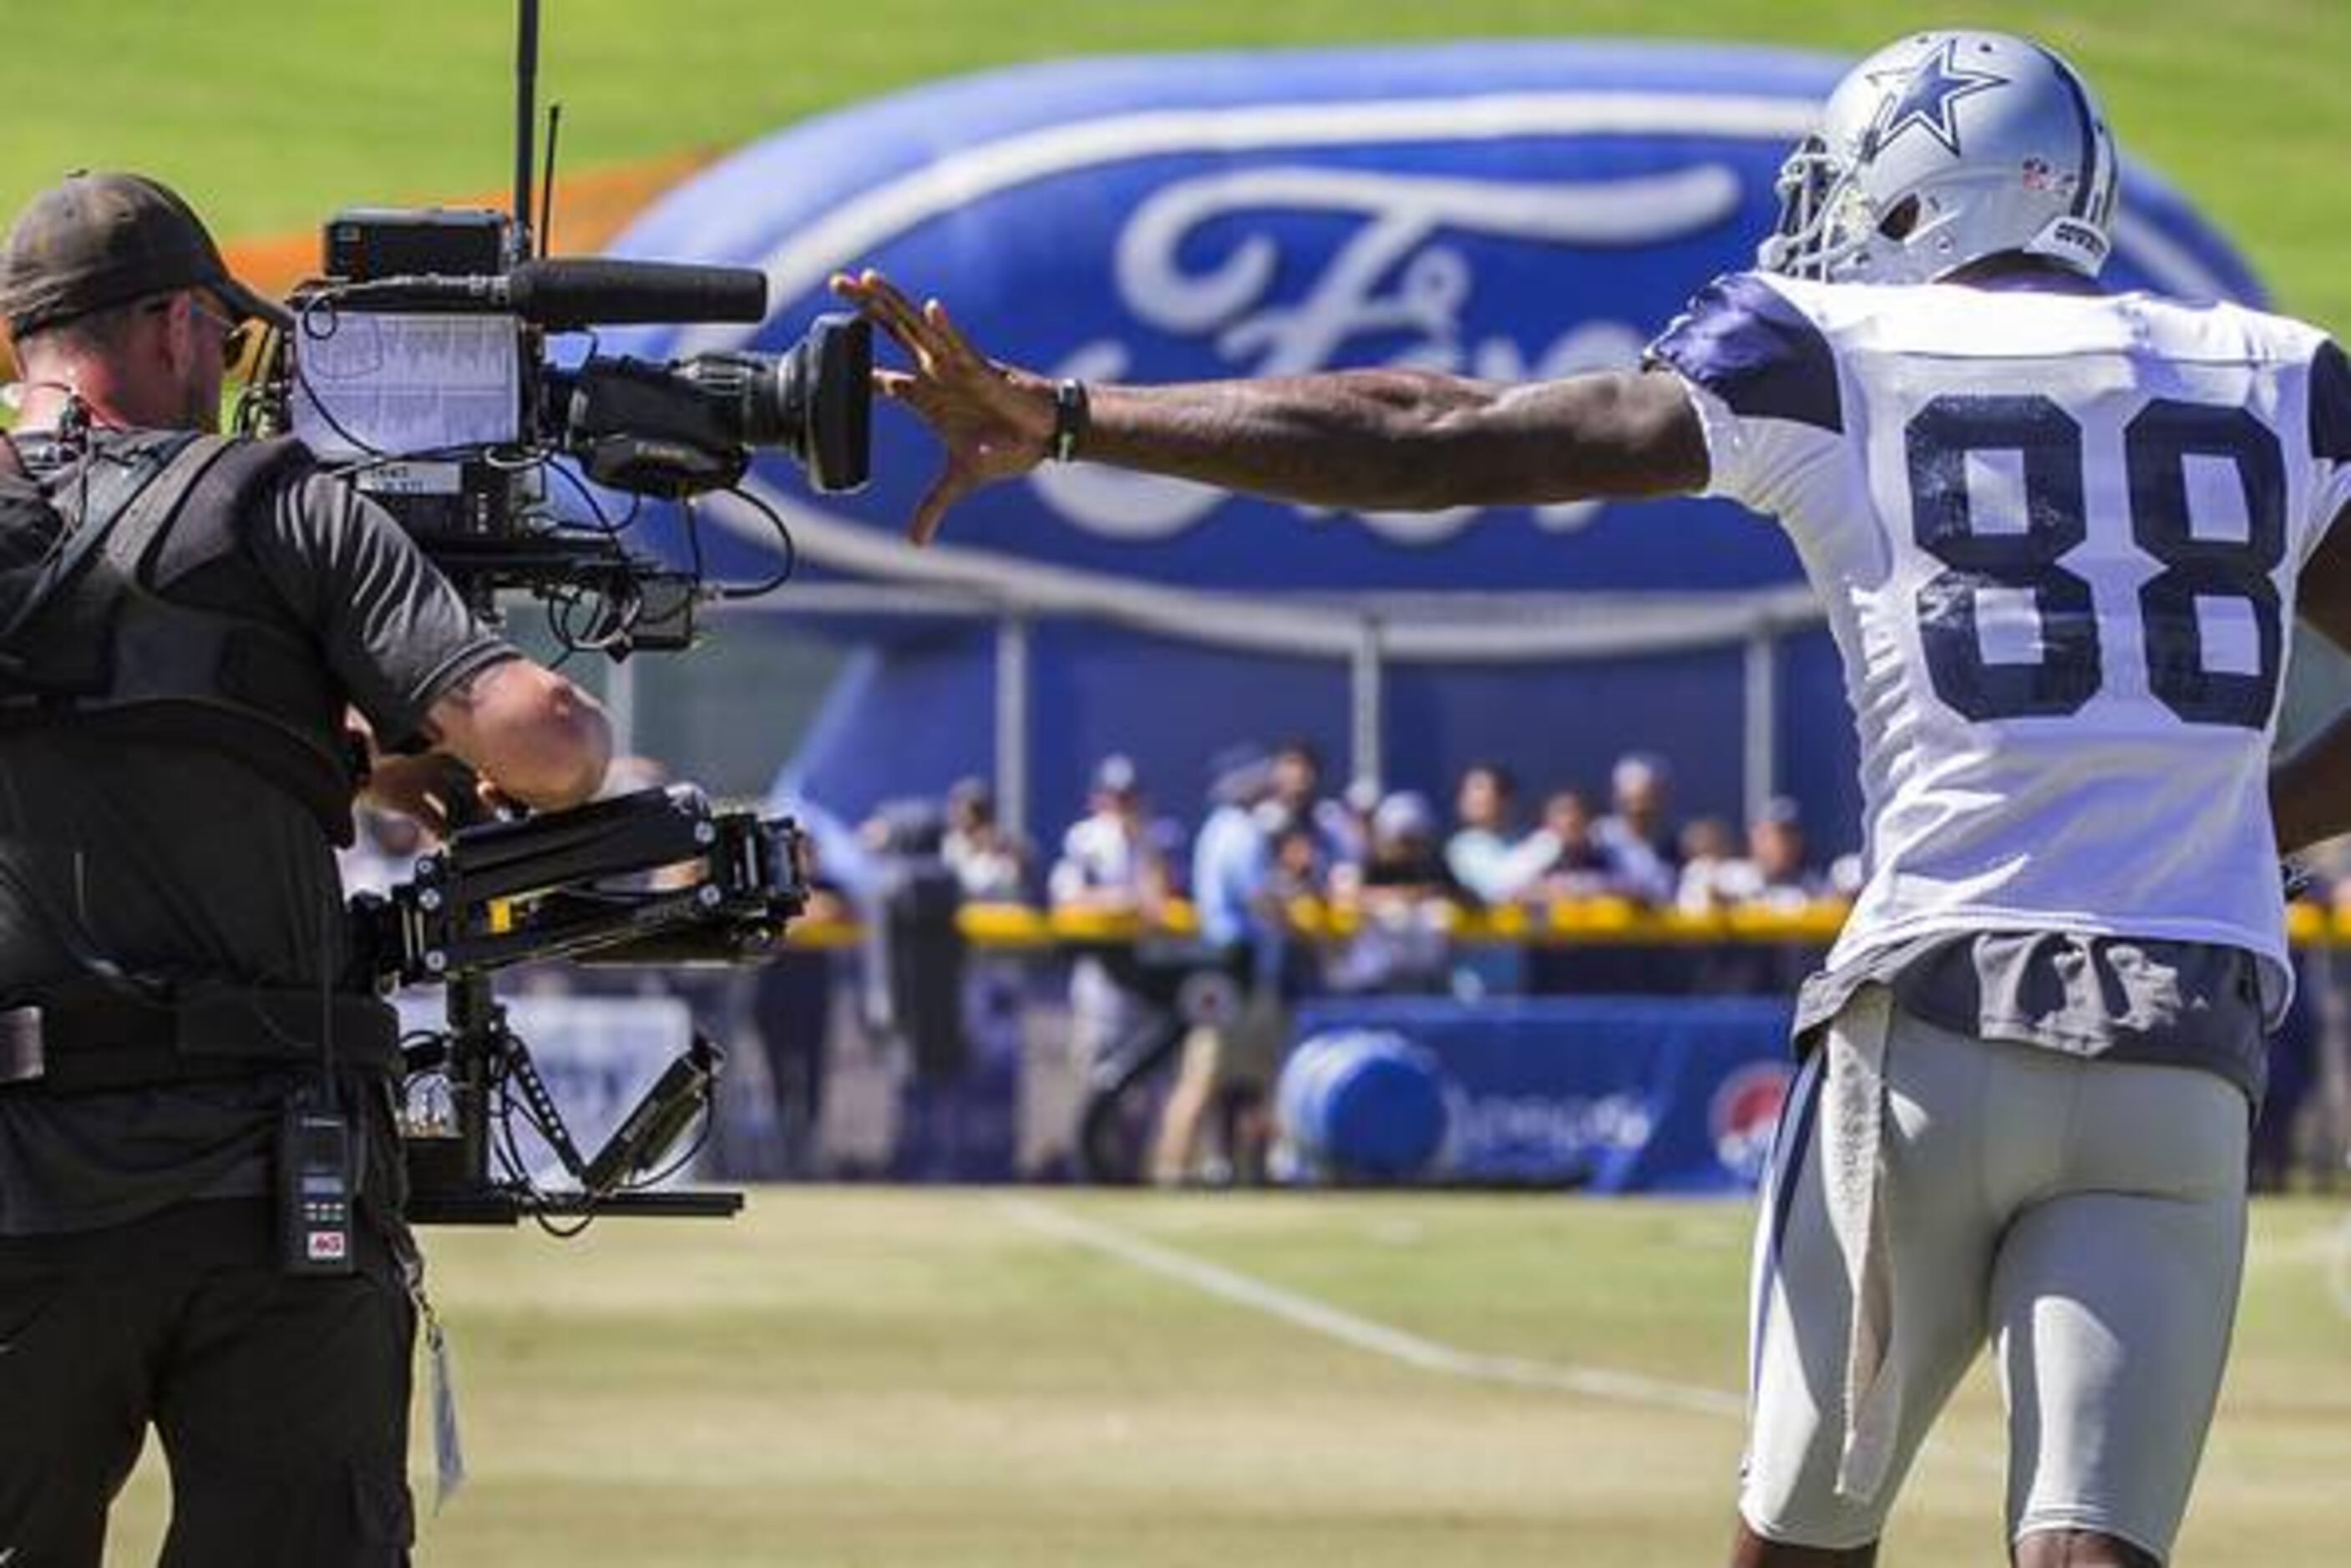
point(2310, 792)
point(1368, 439)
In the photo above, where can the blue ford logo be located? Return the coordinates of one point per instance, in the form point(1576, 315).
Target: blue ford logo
point(1501, 211)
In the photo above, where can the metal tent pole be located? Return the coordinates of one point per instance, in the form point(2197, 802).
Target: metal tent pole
point(1366, 705)
point(1760, 759)
point(1012, 723)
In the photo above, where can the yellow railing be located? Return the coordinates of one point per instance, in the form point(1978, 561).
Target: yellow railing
point(1017, 928)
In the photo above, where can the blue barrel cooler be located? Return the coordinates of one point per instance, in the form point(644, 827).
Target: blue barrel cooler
point(1361, 1106)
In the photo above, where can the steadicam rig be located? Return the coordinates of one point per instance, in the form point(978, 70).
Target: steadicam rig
point(654, 877)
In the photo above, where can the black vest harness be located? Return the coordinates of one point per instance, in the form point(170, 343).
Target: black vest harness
point(128, 608)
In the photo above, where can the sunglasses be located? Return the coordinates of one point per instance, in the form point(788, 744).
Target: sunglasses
point(235, 335)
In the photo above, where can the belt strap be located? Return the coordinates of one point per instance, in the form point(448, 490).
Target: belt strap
point(81, 1043)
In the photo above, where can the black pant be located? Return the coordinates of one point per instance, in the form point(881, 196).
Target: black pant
point(282, 1403)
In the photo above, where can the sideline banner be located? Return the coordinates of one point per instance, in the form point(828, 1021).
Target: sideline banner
point(1609, 1094)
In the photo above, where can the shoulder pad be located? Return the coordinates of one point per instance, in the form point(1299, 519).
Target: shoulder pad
point(240, 473)
point(1749, 345)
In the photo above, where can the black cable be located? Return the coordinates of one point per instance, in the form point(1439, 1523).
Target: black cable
point(532, 1197)
point(560, 1232)
point(564, 604)
point(317, 304)
point(784, 537)
point(603, 525)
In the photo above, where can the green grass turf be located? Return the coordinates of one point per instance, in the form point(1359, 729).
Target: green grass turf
point(873, 1378)
point(271, 114)
point(920, 1378)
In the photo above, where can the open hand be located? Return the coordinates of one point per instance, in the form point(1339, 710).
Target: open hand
point(994, 422)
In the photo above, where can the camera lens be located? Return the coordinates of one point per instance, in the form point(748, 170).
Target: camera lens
point(825, 388)
point(813, 401)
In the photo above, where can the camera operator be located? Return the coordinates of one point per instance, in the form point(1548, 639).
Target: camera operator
point(185, 625)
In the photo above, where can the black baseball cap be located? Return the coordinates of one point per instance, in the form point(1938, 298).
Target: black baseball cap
point(101, 240)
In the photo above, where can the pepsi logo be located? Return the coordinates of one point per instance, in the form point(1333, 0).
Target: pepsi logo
point(1745, 1114)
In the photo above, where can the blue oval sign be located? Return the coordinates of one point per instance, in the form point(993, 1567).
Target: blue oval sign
point(1501, 211)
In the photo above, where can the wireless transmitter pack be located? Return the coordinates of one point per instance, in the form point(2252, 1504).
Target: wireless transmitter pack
point(316, 1211)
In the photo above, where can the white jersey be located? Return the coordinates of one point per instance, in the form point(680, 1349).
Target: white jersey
point(2057, 534)
point(1101, 853)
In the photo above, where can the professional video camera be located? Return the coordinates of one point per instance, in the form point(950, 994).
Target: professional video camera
point(416, 366)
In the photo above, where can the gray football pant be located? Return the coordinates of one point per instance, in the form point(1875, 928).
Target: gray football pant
point(2086, 1217)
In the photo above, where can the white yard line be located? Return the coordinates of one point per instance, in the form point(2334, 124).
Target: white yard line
point(1397, 1344)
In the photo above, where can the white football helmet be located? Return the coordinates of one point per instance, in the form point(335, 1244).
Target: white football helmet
point(1940, 150)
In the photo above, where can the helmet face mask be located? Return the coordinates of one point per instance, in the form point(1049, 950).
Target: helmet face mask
point(1822, 217)
point(1942, 149)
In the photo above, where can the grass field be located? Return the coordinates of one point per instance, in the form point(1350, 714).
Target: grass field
point(271, 114)
point(926, 1379)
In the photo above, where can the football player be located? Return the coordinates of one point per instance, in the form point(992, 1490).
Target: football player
point(2057, 531)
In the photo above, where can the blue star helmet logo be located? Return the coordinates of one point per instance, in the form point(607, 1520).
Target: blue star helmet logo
point(1929, 90)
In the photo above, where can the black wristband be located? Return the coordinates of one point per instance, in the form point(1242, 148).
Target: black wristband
point(1070, 415)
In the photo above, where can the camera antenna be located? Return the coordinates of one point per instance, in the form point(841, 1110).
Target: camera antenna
point(525, 118)
point(546, 181)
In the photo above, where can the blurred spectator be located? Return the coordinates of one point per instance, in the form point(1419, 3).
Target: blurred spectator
point(992, 867)
point(1637, 834)
point(1574, 864)
point(1297, 803)
point(1300, 872)
point(791, 1011)
point(1406, 907)
point(1110, 865)
point(1348, 824)
point(1229, 1063)
point(1776, 871)
point(1298, 864)
point(1404, 859)
point(1708, 852)
point(1170, 844)
point(1480, 852)
point(2295, 1069)
point(992, 864)
point(915, 947)
point(1486, 857)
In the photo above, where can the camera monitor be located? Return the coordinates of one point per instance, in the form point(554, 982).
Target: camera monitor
point(406, 384)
